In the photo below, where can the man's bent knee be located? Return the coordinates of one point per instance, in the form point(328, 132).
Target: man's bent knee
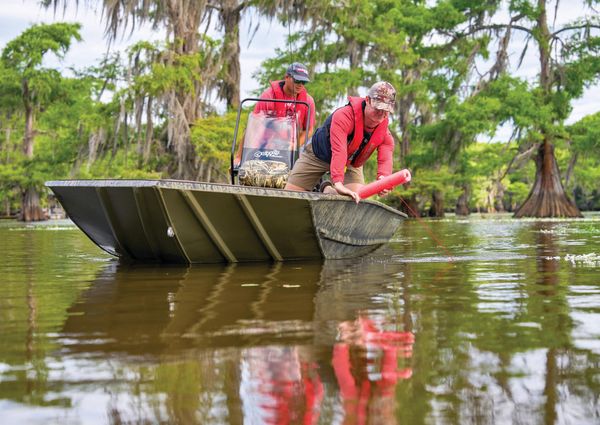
point(290, 186)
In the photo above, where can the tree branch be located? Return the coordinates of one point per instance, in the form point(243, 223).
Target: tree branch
point(574, 27)
point(519, 158)
point(498, 27)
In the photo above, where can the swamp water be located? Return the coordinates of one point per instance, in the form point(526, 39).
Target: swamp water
point(476, 320)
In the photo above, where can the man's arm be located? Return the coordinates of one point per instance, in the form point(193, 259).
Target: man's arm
point(385, 159)
point(301, 137)
point(385, 154)
point(342, 124)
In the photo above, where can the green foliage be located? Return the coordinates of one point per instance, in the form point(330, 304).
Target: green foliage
point(212, 138)
point(26, 52)
point(23, 58)
point(11, 159)
point(585, 143)
point(65, 128)
point(487, 159)
point(123, 165)
point(10, 88)
point(585, 134)
point(423, 184)
point(159, 68)
point(517, 191)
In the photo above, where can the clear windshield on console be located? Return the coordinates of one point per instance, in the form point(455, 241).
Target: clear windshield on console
point(263, 153)
point(267, 150)
point(269, 138)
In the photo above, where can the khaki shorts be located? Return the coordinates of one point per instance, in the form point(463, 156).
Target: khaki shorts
point(309, 169)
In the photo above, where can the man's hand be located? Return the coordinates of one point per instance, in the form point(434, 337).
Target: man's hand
point(343, 190)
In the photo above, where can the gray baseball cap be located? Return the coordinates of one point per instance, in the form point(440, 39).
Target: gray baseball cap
point(298, 72)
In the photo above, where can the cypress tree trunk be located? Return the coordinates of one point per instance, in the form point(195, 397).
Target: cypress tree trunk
point(408, 205)
point(547, 197)
point(30, 200)
point(499, 196)
point(184, 107)
point(230, 14)
point(437, 204)
point(30, 206)
point(462, 207)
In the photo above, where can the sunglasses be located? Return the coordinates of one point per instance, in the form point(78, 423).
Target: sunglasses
point(299, 82)
point(393, 103)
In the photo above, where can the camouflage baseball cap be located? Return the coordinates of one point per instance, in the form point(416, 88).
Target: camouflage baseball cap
point(383, 96)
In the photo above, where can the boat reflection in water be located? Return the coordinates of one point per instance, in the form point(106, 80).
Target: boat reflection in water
point(249, 343)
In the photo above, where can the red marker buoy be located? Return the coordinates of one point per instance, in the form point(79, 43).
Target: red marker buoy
point(389, 182)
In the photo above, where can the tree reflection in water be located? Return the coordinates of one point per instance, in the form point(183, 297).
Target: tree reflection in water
point(244, 343)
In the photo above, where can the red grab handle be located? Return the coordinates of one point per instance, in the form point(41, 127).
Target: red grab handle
point(389, 182)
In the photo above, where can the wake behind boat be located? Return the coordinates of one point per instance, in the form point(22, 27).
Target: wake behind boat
point(175, 221)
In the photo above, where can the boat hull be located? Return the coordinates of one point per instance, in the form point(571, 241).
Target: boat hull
point(173, 221)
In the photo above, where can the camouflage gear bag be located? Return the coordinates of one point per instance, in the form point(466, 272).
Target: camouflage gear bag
point(263, 173)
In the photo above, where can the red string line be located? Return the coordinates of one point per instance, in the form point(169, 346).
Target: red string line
point(428, 230)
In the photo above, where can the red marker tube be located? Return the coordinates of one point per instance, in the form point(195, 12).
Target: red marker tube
point(386, 183)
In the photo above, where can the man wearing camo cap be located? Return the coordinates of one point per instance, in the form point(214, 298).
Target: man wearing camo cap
point(347, 139)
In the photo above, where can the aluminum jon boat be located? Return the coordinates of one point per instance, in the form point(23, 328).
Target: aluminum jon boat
point(174, 221)
point(252, 219)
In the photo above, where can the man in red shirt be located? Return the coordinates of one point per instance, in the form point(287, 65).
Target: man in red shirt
point(290, 88)
point(347, 139)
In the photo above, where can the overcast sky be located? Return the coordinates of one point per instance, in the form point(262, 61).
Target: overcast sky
point(17, 15)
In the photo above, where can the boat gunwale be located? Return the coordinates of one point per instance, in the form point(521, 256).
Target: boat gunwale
point(212, 187)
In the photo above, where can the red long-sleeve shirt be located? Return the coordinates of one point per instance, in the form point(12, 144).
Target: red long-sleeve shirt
point(300, 110)
point(342, 125)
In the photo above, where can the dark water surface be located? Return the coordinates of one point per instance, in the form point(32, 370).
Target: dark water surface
point(456, 321)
